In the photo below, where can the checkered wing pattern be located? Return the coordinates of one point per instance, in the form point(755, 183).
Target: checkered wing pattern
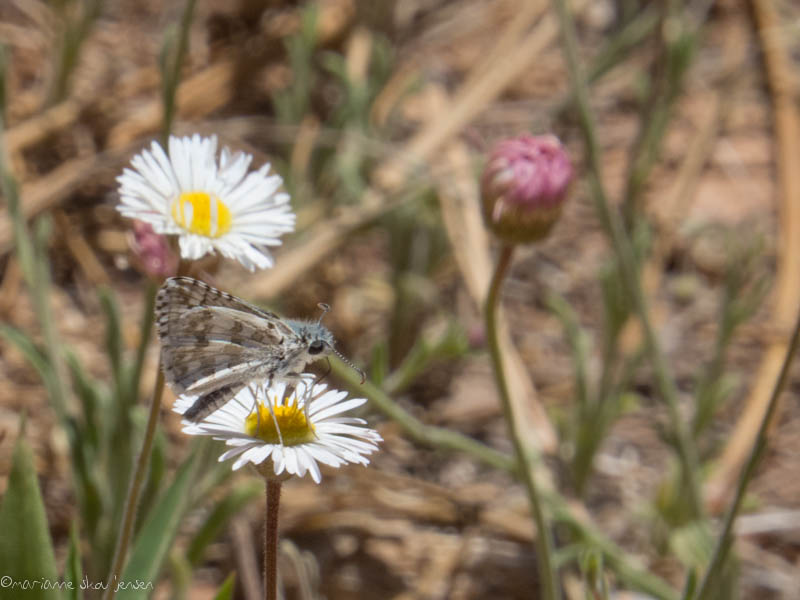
point(212, 342)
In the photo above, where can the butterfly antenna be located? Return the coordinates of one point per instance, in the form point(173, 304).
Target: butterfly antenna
point(325, 308)
point(351, 365)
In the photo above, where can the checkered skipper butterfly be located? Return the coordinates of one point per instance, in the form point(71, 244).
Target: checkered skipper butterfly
point(214, 344)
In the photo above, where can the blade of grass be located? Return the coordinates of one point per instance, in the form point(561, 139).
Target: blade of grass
point(26, 550)
point(152, 544)
point(72, 570)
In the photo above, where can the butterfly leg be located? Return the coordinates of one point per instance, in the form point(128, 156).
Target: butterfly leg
point(272, 413)
point(255, 405)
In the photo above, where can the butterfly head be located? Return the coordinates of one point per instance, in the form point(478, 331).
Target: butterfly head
point(317, 341)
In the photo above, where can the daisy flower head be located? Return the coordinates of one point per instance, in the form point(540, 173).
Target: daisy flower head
point(294, 436)
point(212, 204)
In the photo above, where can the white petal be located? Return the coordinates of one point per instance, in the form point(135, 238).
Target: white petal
point(338, 408)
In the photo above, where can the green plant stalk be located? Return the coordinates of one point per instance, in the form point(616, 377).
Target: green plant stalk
point(35, 270)
point(273, 498)
point(739, 303)
point(610, 359)
point(613, 51)
point(148, 317)
point(172, 57)
point(73, 35)
point(725, 538)
point(613, 556)
point(623, 249)
point(437, 437)
point(586, 429)
point(132, 499)
point(423, 355)
point(656, 111)
point(544, 543)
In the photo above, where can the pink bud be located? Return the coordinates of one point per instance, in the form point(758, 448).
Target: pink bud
point(524, 186)
point(152, 252)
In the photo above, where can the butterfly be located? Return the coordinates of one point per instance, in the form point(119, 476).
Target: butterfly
point(214, 344)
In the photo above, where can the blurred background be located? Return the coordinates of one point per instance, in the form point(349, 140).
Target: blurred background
point(379, 115)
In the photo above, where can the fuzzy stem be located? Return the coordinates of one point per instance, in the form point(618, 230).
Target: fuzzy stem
point(273, 495)
point(544, 543)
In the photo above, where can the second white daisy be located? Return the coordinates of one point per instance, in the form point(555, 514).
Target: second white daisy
point(211, 206)
point(324, 436)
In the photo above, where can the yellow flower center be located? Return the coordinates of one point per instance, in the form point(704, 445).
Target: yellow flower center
point(295, 428)
point(201, 214)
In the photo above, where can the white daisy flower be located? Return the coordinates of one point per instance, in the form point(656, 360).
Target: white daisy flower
point(306, 438)
point(211, 206)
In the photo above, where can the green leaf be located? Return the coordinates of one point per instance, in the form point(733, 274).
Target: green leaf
point(114, 342)
point(89, 393)
point(692, 544)
point(155, 474)
point(379, 364)
point(180, 574)
point(230, 505)
point(154, 540)
point(578, 342)
point(26, 550)
point(90, 498)
point(226, 589)
point(32, 352)
point(72, 570)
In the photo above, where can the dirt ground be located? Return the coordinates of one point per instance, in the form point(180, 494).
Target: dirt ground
point(423, 523)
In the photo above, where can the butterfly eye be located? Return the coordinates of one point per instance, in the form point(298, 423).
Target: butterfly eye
point(316, 347)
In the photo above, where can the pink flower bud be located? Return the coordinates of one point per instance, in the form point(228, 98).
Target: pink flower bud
point(152, 253)
point(524, 186)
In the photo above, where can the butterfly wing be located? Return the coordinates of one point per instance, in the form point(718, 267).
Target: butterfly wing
point(212, 342)
point(178, 294)
point(208, 403)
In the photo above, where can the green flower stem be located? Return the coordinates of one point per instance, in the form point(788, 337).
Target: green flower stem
point(757, 451)
point(132, 500)
point(144, 336)
point(273, 496)
point(547, 573)
point(623, 250)
point(437, 437)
